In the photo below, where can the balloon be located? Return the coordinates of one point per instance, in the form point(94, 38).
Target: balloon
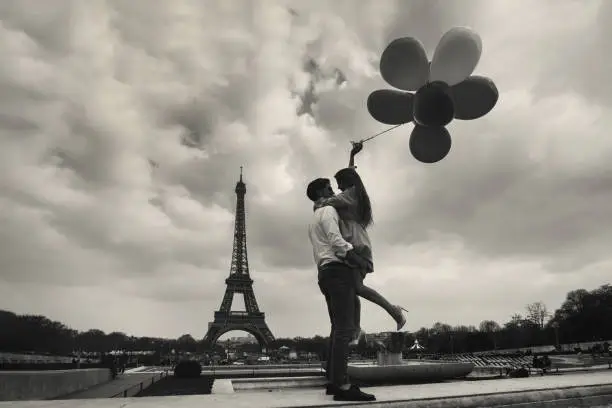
point(443, 88)
point(429, 144)
point(474, 97)
point(404, 65)
point(390, 107)
point(456, 56)
point(433, 105)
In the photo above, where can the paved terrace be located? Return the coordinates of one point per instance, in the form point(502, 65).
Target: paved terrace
point(568, 390)
point(123, 383)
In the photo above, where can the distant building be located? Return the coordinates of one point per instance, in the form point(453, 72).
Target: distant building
point(249, 339)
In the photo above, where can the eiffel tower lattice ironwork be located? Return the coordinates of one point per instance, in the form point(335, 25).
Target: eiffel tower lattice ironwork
point(239, 281)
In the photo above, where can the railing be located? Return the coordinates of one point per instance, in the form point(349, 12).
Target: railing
point(240, 314)
point(553, 368)
point(136, 388)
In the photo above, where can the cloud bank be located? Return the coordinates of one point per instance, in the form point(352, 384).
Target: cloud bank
point(123, 126)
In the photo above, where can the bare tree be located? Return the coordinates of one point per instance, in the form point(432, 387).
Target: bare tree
point(537, 313)
point(464, 329)
point(440, 328)
point(489, 326)
point(516, 321)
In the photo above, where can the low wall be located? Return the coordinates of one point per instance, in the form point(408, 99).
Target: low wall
point(259, 366)
point(241, 384)
point(41, 385)
point(491, 370)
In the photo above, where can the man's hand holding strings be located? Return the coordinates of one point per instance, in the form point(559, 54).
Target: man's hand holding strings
point(357, 147)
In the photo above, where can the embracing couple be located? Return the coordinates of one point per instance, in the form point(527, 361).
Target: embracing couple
point(343, 255)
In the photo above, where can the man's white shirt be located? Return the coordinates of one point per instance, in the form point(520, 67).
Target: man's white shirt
point(327, 242)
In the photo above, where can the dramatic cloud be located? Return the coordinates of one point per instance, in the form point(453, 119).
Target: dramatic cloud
point(123, 125)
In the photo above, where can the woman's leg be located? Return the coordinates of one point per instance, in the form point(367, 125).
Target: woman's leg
point(358, 283)
point(357, 321)
point(375, 297)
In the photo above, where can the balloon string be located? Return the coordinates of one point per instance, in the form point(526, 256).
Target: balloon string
point(378, 134)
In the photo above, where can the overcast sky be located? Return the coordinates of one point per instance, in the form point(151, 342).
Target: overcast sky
point(91, 91)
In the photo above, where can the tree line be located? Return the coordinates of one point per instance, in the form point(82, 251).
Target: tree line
point(584, 316)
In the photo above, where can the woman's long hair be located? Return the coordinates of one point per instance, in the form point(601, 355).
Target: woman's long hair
point(350, 178)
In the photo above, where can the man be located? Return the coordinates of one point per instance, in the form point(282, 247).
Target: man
point(333, 255)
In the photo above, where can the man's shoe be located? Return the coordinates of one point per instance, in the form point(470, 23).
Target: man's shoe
point(353, 394)
point(330, 389)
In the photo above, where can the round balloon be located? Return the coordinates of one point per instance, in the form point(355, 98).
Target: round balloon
point(390, 107)
point(474, 97)
point(433, 105)
point(456, 56)
point(430, 144)
point(404, 65)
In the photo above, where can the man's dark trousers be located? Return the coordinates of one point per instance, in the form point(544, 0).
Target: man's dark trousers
point(338, 286)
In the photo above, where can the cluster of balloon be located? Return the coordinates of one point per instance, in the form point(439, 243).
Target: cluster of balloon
point(444, 89)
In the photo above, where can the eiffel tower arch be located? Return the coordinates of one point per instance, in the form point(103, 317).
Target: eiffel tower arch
point(239, 282)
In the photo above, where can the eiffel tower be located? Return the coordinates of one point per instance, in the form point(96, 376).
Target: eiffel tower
point(239, 281)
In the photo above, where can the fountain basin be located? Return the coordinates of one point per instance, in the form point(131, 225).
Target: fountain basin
point(409, 371)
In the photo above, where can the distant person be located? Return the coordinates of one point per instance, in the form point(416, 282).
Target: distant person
point(332, 255)
point(355, 212)
point(546, 363)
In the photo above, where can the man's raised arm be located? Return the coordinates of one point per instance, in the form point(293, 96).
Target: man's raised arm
point(329, 223)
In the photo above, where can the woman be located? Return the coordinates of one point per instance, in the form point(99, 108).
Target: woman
point(355, 212)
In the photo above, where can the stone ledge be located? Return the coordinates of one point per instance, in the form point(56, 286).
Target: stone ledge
point(243, 384)
point(567, 397)
point(569, 390)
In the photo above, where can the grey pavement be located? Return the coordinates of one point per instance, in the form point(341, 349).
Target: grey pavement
point(114, 387)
